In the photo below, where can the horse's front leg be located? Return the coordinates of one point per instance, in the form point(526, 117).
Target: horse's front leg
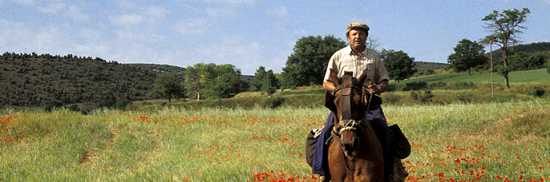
point(370, 171)
point(336, 161)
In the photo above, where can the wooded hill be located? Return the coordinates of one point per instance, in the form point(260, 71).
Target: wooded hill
point(51, 81)
point(523, 56)
point(423, 67)
point(46, 80)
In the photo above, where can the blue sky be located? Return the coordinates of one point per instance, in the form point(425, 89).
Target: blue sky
point(245, 33)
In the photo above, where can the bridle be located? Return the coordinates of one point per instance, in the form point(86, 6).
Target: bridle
point(346, 122)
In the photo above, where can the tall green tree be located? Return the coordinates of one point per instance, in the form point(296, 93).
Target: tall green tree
point(259, 78)
point(505, 27)
point(211, 81)
point(226, 81)
point(467, 55)
point(399, 64)
point(265, 81)
point(270, 83)
point(169, 86)
point(308, 61)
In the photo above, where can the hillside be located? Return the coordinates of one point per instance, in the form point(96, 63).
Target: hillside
point(523, 56)
point(46, 80)
point(429, 67)
point(539, 76)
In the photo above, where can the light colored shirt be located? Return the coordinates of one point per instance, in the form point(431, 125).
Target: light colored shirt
point(366, 62)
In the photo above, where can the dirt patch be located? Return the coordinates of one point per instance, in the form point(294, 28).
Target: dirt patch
point(85, 157)
point(5, 120)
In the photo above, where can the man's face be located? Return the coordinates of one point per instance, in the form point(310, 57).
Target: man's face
point(357, 37)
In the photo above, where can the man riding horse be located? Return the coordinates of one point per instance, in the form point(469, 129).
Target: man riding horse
point(362, 64)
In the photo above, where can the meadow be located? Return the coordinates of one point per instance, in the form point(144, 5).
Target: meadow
point(459, 131)
point(507, 141)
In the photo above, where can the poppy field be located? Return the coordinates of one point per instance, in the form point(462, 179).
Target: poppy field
point(457, 142)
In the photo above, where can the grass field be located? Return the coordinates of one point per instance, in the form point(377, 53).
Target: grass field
point(539, 76)
point(479, 142)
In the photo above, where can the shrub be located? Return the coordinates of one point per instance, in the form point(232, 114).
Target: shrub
point(416, 85)
point(425, 96)
point(273, 102)
point(463, 85)
point(391, 98)
point(465, 97)
point(392, 87)
point(536, 91)
point(438, 85)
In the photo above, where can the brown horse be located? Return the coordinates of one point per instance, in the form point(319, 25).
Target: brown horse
point(355, 153)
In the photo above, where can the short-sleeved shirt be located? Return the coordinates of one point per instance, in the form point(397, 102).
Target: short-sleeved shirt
point(366, 62)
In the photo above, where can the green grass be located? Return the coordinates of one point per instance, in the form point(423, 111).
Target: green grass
point(539, 76)
point(169, 144)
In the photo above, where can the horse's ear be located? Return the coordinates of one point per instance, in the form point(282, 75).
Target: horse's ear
point(347, 79)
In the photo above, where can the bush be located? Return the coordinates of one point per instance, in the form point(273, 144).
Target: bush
point(425, 96)
point(438, 85)
point(416, 85)
point(273, 102)
point(84, 108)
point(391, 98)
point(392, 87)
point(466, 97)
point(548, 66)
point(536, 91)
point(463, 85)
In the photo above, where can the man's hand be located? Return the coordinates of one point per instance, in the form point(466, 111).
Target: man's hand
point(373, 88)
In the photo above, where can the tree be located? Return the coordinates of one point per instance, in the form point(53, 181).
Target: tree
point(259, 78)
point(211, 81)
point(270, 83)
point(467, 55)
point(192, 85)
point(226, 81)
point(168, 85)
point(265, 80)
point(398, 64)
point(308, 61)
point(505, 27)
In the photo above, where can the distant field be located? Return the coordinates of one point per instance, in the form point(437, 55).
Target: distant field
point(482, 142)
point(539, 76)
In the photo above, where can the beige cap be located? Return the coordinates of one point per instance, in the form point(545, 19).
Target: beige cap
point(356, 24)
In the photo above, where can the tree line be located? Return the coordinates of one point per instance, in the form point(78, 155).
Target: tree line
point(53, 80)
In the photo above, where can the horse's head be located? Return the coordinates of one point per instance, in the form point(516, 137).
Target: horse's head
point(351, 101)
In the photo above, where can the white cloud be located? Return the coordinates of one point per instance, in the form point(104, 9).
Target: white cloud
point(69, 10)
point(191, 26)
point(278, 12)
point(20, 37)
point(76, 13)
point(220, 11)
point(232, 2)
point(246, 55)
point(127, 19)
point(54, 7)
point(25, 2)
point(156, 12)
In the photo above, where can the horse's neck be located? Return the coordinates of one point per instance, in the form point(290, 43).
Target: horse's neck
point(370, 145)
